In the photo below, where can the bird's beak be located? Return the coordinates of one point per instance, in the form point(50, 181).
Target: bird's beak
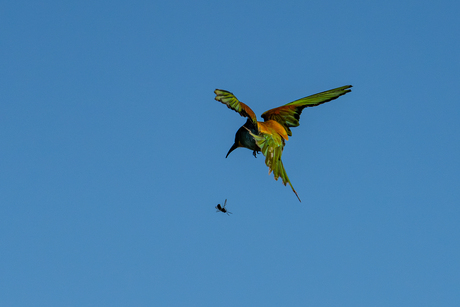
point(234, 146)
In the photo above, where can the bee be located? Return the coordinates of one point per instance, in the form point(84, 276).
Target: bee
point(222, 209)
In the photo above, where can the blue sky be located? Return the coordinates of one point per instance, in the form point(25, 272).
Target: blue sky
point(113, 154)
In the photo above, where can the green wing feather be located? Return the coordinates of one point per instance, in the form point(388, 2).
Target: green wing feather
point(233, 103)
point(271, 145)
point(289, 114)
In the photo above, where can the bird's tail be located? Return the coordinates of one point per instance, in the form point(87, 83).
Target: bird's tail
point(281, 172)
point(272, 151)
point(294, 191)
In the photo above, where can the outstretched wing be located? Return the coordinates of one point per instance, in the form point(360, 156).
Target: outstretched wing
point(271, 144)
point(289, 114)
point(233, 103)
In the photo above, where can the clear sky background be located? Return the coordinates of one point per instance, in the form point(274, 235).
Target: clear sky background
point(112, 154)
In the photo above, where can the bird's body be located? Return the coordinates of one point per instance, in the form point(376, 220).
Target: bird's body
point(270, 135)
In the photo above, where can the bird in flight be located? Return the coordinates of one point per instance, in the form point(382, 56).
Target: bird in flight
point(270, 135)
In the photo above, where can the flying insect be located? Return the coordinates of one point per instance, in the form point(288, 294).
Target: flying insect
point(223, 209)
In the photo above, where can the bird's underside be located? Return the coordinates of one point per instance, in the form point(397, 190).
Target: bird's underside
point(270, 135)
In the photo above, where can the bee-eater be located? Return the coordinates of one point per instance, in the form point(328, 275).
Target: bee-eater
point(269, 136)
